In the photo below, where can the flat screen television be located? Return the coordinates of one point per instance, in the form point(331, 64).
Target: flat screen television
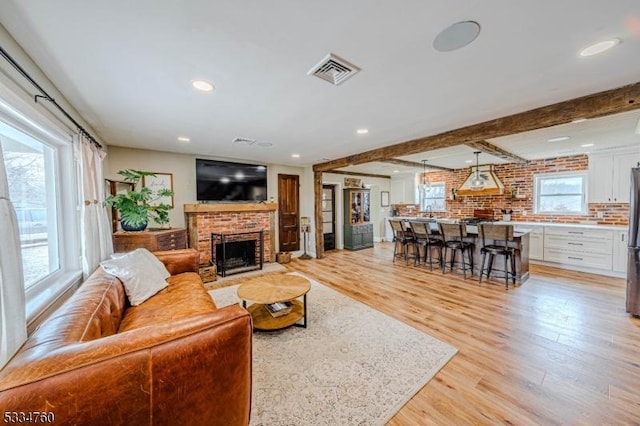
point(226, 181)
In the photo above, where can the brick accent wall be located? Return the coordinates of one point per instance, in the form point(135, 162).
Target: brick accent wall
point(229, 223)
point(518, 179)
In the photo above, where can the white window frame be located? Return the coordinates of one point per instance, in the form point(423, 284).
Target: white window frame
point(422, 202)
point(538, 178)
point(22, 115)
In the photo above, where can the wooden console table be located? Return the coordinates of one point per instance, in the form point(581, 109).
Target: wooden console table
point(152, 240)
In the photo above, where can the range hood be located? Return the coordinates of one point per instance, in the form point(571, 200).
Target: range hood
point(491, 185)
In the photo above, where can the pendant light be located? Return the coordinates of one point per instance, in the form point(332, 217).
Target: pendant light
point(425, 185)
point(476, 182)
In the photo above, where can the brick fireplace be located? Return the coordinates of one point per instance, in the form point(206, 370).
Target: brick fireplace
point(204, 219)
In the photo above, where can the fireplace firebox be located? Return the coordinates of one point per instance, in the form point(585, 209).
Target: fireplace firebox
point(237, 252)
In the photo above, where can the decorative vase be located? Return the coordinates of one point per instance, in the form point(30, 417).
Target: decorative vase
point(131, 228)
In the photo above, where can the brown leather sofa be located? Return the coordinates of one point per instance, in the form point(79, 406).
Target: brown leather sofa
point(175, 359)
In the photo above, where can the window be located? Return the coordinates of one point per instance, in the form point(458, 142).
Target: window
point(30, 166)
point(561, 193)
point(38, 159)
point(432, 197)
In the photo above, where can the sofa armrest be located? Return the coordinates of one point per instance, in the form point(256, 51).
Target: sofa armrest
point(179, 261)
point(194, 369)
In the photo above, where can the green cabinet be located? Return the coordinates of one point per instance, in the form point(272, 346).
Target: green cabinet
point(358, 232)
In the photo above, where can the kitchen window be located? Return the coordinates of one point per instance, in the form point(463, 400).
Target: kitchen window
point(561, 193)
point(431, 197)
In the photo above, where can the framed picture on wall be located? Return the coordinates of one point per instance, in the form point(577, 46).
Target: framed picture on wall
point(158, 182)
point(384, 198)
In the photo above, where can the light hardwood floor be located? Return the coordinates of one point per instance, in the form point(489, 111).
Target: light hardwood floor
point(560, 349)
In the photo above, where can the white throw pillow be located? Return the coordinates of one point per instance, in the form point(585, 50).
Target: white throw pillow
point(153, 261)
point(139, 275)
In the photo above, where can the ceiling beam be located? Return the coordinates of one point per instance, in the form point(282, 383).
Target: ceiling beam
point(614, 101)
point(496, 151)
point(415, 164)
point(340, 172)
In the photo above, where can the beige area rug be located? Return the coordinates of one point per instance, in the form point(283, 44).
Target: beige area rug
point(352, 365)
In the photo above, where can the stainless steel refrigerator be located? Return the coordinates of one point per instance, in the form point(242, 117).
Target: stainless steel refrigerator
point(633, 264)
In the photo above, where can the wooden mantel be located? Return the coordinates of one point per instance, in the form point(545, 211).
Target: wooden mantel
point(229, 207)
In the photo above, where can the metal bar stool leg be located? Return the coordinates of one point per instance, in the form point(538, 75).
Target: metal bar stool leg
point(482, 262)
point(464, 265)
point(506, 270)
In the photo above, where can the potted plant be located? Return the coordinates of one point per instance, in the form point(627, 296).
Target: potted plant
point(137, 207)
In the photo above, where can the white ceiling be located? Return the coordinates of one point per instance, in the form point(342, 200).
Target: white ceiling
point(127, 65)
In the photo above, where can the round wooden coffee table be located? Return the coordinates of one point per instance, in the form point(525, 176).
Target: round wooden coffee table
point(274, 289)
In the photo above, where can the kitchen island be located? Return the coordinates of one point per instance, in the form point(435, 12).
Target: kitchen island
point(520, 243)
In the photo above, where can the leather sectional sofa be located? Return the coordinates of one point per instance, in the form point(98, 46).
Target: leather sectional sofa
point(174, 359)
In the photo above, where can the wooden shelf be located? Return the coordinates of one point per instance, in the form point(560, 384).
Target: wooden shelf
point(229, 207)
point(263, 320)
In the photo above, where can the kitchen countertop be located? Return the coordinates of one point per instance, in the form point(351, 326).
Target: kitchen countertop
point(519, 224)
point(574, 225)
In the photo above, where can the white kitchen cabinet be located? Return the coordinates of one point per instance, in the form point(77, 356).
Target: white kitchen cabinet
point(609, 176)
point(536, 240)
point(620, 251)
point(402, 190)
point(622, 176)
point(590, 248)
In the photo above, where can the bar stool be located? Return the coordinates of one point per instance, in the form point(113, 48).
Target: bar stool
point(495, 240)
point(420, 239)
point(401, 236)
point(453, 238)
point(423, 237)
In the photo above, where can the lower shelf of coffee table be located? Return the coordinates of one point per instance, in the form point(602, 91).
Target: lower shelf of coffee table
point(263, 320)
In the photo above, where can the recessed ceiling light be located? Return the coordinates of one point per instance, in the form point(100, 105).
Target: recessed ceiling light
point(362, 131)
point(468, 161)
point(396, 171)
point(579, 120)
point(558, 139)
point(586, 145)
point(202, 85)
point(295, 155)
point(600, 47)
point(456, 36)
point(184, 139)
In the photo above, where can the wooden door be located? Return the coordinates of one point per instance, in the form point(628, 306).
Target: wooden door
point(329, 216)
point(289, 212)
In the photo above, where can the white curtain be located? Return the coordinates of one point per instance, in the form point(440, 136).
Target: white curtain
point(96, 239)
point(13, 323)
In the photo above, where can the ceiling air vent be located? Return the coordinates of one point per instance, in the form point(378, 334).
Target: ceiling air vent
point(334, 69)
point(244, 141)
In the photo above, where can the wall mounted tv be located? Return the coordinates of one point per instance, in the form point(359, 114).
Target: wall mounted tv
point(225, 181)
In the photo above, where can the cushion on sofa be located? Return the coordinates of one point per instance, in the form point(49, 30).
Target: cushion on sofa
point(182, 298)
point(140, 274)
point(149, 259)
